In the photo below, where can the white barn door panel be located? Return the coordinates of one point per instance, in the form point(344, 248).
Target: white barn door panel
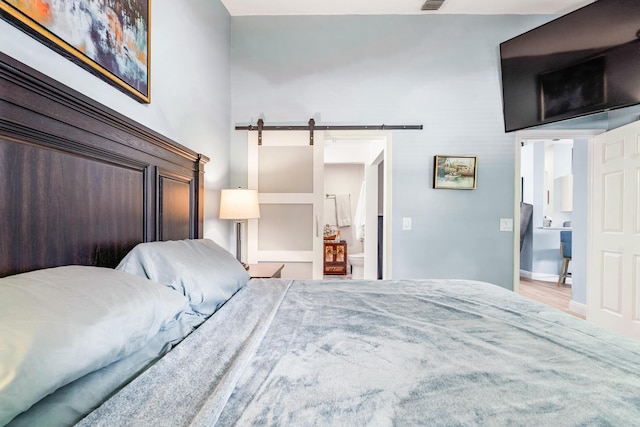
point(287, 172)
point(613, 298)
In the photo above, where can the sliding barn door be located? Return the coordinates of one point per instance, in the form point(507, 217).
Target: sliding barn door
point(287, 171)
point(613, 299)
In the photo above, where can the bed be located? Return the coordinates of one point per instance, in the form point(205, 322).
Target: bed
point(119, 312)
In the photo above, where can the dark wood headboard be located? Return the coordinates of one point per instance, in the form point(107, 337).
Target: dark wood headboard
point(83, 184)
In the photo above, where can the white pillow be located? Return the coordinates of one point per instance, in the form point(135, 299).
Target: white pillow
point(207, 274)
point(59, 324)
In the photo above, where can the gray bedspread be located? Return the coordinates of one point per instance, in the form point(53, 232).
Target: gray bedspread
point(356, 353)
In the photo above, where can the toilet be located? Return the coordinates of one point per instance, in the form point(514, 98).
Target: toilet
point(357, 265)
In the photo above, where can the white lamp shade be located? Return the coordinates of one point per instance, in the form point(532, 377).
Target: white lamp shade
point(239, 203)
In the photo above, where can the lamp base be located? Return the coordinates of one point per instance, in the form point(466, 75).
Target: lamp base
point(239, 244)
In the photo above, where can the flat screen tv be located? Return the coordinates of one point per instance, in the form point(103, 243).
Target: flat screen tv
point(585, 62)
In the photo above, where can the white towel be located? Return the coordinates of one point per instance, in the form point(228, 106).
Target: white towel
point(358, 221)
point(343, 210)
point(330, 212)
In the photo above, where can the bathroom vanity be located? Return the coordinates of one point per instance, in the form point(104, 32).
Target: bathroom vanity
point(335, 258)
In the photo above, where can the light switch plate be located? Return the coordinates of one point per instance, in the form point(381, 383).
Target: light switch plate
point(506, 224)
point(406, 223)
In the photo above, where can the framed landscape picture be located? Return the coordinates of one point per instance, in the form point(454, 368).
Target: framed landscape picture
point(455, 172)
point(110, 38)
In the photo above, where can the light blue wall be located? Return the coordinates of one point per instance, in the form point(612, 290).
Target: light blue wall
point(441, 71)
point(190, 95)
point(579, 220)
point(545, 252)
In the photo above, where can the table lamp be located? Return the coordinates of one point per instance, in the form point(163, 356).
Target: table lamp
point(239, 204)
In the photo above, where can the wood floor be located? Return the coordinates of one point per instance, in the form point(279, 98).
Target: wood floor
point(547, 293)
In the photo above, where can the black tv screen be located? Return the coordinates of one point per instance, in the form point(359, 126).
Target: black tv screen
point(585, 62)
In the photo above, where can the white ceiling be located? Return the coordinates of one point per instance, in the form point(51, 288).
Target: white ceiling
point(399, 7)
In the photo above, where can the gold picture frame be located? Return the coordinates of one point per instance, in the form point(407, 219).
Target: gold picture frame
point(455, 172)
point(109, 39)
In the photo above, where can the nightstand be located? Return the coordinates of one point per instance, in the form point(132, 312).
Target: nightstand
point(265, 270)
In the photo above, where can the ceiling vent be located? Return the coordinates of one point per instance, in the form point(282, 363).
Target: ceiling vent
point(432, 4)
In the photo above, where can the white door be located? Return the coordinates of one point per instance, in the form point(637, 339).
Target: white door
point(287, 171)
point(613, 297)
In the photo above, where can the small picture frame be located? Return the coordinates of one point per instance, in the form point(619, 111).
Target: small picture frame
point(455, 172)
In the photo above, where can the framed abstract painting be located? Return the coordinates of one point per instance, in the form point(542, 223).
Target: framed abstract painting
point(455, 172)
point(110, 38)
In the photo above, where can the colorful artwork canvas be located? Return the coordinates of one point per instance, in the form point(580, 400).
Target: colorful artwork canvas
point(108, 37)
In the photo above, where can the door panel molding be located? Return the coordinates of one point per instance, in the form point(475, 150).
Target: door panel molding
point(614, 247)
point(282, 169)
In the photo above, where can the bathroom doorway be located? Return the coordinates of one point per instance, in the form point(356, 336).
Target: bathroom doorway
point(351, 158)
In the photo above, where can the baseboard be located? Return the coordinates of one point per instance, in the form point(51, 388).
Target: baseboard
point(525, 273)
point(578, 308)
point(543, 277)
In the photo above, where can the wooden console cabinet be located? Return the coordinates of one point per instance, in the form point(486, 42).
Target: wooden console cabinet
point(335, 258)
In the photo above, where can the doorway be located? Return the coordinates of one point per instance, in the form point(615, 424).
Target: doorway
point(546, 180)
point(580, 167)
point(357, 157)
point(287, 170)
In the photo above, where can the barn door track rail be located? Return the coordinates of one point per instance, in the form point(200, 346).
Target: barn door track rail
point(260, 127)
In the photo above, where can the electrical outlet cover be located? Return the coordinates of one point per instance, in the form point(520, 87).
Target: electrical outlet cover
point(506, 224)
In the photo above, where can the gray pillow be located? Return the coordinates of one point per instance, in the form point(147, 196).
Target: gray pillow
point(59, 324)
point(207, 274)
point(69, 404)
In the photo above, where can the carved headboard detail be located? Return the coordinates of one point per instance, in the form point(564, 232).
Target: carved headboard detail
point(83, 184)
